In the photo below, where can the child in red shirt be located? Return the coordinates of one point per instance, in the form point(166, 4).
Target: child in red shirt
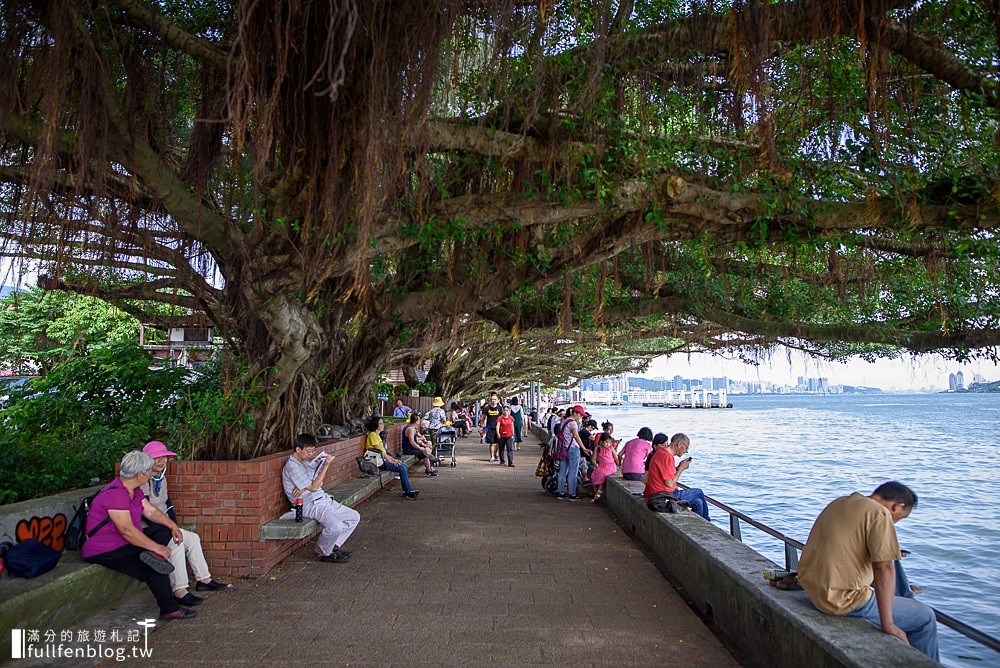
point(505, 434)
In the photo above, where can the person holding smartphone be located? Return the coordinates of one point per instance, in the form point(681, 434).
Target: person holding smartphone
point(664, 472)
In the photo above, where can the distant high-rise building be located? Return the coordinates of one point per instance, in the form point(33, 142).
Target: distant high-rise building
point(952, 382)
point(721, 383)
point(801, 383)
point(678, 383)
point(707, 384)
point(812, 385)
point(959, 381)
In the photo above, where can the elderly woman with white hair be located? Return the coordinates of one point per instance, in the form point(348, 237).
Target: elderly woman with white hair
point(114, 537)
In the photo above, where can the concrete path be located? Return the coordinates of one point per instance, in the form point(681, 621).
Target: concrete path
point(483, 569)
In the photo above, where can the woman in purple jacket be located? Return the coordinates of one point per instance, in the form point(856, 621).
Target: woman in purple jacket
point(115, 539)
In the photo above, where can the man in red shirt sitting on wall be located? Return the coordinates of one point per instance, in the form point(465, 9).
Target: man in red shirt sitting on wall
point(663, 474)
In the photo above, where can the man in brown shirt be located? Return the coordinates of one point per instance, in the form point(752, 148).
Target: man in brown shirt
point(851, 547)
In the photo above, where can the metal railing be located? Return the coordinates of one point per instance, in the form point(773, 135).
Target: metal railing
point(793, 546)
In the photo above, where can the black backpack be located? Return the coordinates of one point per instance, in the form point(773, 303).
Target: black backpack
point(662, 502)
point(76, 530)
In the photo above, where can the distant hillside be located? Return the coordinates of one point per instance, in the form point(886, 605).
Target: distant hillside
point(984, 388)
point(637, 383)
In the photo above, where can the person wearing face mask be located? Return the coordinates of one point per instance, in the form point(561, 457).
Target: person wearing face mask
point(189, 551)
point(116, 539)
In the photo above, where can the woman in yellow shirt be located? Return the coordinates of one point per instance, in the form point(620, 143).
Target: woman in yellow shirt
point(374, 443)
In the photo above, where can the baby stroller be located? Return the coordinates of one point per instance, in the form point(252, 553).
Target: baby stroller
point(444, 443)
point(550, 481)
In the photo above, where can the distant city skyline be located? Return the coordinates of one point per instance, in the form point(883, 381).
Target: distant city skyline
point(784, 366)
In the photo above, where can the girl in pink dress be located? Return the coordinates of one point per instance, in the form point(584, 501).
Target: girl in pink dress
point(606, 461)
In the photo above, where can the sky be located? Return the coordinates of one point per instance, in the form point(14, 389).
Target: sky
point(784, 366)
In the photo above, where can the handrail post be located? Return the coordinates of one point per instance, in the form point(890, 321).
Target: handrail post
point(791, 558)
point(734, 528)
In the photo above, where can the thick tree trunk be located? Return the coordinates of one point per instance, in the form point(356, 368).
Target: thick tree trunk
point(449, 380)
point(288, 369)
point(354, 370)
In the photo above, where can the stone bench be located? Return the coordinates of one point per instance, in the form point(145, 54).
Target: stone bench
point(74, 589)
point(61, 597)
point(722, 577)
point(350, 493)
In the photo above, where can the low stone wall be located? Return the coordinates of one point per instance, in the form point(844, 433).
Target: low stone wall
point(60, 598)
point(75, 589)
point(722, 577)
point(43, 519)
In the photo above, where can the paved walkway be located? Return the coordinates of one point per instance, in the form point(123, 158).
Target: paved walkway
point(484, 568)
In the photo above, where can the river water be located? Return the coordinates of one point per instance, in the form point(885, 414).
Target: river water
point(782, 458)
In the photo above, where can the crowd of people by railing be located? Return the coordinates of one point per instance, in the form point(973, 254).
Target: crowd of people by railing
point(851, 562)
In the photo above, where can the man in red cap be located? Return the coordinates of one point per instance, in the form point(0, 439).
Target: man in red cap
point(189, 551)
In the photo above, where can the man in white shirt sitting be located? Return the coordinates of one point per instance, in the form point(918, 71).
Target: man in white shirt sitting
point(303, 477)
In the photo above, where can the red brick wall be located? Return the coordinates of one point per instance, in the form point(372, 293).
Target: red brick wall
point(227, 501)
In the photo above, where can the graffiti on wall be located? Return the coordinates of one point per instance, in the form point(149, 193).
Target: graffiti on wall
point(48, 530)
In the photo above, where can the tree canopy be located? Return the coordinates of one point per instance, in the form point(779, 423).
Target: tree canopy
point(39, 329)
point(514, 190)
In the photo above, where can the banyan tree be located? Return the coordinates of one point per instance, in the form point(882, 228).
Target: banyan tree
point(343, 185)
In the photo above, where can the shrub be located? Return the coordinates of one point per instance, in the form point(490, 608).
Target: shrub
point(208, 404)
point(73, 424)
point(426, 389)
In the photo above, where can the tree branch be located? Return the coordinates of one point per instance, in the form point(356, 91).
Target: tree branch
point(916, 341)
point(196, 217)
point(141, 14)
point(932, 58)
